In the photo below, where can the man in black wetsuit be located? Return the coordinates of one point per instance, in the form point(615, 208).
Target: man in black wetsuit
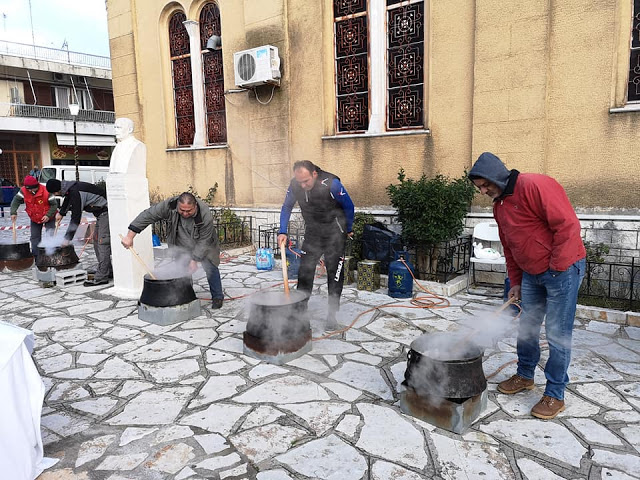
point(328, 213)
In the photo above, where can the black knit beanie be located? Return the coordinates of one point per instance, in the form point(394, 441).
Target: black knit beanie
point(54, 185)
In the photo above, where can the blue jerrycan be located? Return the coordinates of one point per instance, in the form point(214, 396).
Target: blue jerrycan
point(264, 259)
point(400, 279)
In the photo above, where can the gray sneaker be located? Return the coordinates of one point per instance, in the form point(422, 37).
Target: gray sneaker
point(331, 323)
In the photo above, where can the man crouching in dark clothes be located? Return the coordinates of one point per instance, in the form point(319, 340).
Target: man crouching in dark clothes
point(328, 214)
point(79, 196)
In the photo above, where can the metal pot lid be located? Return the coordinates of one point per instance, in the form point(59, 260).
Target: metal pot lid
point(275, 299)
point(446, 346)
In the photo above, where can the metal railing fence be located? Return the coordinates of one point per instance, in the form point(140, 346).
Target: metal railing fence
point(612, 284)
point(233, 233)
point(55, 113)
point(59, 55)
point(268, 236)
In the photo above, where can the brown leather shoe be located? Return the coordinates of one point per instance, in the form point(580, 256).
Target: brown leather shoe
point(515, 384)
point(547, 408)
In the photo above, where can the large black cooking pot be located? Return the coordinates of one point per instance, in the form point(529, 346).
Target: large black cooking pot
point(61, 258)
point(15, 256)
point(277, 323)
point(446, 365)
point(167, 292)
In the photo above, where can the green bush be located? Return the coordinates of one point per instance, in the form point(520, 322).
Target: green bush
point(431, 210)
point(596, 252)
point(231, 230)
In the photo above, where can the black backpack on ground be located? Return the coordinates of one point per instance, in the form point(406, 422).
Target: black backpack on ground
point(380, 243)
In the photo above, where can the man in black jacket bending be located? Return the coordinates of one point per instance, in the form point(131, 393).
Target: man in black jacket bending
point(328, 214)
point(79, 196)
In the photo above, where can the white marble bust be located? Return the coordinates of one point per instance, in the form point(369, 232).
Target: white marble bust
point(130, 154)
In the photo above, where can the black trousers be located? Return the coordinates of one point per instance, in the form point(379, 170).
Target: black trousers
point(102, 247)
point(313, 248)
point(36, 233)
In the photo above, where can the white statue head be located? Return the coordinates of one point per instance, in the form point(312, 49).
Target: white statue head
point(123, 128)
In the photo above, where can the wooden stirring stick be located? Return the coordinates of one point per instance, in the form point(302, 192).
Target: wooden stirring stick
point(283, 257)
point(135, 254)
point(511, 301)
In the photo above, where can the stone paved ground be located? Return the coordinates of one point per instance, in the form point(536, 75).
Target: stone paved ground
point(131, 400)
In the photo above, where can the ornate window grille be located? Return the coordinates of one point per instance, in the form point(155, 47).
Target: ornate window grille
point(182, 80)
point(213, 76)
point(379, 64)
point(351, 63)
point(633, 94)
point(405, 64)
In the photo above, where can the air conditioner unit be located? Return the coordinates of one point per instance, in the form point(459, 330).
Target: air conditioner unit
point(58, 77)
point(257, 66)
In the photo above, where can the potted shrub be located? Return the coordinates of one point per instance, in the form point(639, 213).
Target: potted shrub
point(431, 211)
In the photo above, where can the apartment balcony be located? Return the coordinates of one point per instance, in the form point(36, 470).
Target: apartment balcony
point(55, 113)
point(39, 118)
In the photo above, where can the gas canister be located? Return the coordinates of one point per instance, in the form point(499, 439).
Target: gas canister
point(400, 278)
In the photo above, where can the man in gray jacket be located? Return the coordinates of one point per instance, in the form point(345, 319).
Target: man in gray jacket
point(84, 196)
point(189, 226)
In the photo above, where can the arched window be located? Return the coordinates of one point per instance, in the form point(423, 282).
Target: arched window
point(634, 65)
point(379, 65)
point(352, 65)
point(213, 76)
point(182, 80)
point(405, 64)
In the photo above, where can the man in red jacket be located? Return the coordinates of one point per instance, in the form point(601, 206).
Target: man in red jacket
point(41, 207)
point(540, 234)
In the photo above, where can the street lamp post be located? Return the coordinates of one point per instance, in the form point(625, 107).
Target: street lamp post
point(74, 109)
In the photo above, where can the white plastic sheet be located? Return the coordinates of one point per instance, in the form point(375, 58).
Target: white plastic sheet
point(21, 397)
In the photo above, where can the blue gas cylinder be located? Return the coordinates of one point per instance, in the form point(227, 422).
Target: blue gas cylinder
point(293, 261)
point(400, 279)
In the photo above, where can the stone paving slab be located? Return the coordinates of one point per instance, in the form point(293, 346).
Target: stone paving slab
point(127, 400)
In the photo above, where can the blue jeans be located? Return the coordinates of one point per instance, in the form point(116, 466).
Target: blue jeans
point(554, 295)
point(213, 277)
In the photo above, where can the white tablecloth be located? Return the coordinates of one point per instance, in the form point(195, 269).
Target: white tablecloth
point(21, 397)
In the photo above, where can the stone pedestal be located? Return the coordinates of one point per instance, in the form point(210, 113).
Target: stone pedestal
point(169, 315)
point(128, 195)
point(455, 416)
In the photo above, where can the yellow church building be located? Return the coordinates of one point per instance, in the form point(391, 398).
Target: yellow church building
point(234, 91)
